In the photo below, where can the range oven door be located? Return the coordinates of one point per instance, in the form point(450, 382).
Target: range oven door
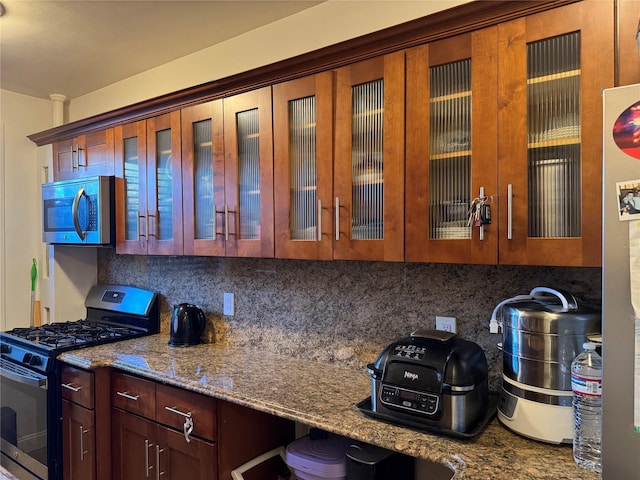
point(25, 409)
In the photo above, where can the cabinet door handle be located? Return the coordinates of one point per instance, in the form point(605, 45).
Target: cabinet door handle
point(82, 450)
point(141, 217)
point(128, 396)
point(146, 457)
point(158, 452)
point(509, 211)
point(155, 226)
point(337, 218)
point(69, 386)
point(319, 221)
point(73, 158)
point(215, 223)
point(178, 412)
point(79, 164)
point(481, 226)
point(226, 222)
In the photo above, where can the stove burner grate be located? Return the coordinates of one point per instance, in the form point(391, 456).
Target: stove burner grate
point(63, 334)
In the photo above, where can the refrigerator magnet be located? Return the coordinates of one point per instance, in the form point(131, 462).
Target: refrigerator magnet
point(628, 200)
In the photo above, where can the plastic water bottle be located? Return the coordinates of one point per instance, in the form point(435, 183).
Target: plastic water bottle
point(586, 383)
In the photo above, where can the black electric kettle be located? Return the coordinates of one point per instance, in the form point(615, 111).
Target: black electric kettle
point(187, 325)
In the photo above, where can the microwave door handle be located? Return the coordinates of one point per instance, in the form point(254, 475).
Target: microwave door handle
point(74, 211)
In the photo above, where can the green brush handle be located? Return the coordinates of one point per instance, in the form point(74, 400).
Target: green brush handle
point(34, 275)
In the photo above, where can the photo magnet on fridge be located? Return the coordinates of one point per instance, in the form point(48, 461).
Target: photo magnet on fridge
point(628, 200)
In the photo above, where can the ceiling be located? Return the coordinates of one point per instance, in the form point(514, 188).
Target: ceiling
point(74, 47)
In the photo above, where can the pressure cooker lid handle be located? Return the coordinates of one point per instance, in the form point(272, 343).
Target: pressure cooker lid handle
point(569, 302)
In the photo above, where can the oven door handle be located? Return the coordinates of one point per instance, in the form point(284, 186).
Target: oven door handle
point(22, 375)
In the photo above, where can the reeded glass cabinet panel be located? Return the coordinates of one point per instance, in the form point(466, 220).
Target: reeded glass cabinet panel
point(130, 142)
point(303, 116)
point(554, 153)
point(247, 216)
point(164, 185)
point(132, 188)
point(248, 174)
point(367, 161)
point(550, 134)
point(303, 189)
point(203, 181)
point(203, 177)
point(450, 150)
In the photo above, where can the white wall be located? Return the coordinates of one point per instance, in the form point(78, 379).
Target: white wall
point(20, 238)
point(326, 24)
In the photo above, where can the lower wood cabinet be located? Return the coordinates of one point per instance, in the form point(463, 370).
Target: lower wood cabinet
point(164, 432)
point(144, 449)
point(79, 439)
point(86, 428)
point(123, 427)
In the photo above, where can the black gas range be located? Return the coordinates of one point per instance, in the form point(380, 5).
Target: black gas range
point(30, 395)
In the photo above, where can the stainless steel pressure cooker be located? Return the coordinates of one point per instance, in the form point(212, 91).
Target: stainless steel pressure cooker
point(542, 334)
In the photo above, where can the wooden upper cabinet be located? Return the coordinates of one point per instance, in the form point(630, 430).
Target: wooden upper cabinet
point(369, 159)
point(553, 67)
point(303, 167)
point(131, 201)
point(203, 179)
point(248, 148)
point(451, 148)
point(149, 209)
point(381, 159)
point(627, 15)
point(164, 185)
point(84, 156)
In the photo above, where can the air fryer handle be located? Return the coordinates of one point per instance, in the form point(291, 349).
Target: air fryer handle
point(569, 302)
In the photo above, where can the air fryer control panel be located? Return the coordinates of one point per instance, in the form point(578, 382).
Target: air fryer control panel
point(420, 402)
point(409, 351)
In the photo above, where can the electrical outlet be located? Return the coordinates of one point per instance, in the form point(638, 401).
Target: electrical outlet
point(446, 324)
point(228, 307)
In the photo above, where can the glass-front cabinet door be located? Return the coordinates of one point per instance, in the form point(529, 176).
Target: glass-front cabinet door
point(203, 179)
point(248, 146)
point(303, 167)
point(550, 128)
point(369, 160)
point(451, 150)
point(164, 185)
point(131, 202)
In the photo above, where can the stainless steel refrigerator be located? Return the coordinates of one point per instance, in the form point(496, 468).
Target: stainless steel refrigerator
point(621, 223)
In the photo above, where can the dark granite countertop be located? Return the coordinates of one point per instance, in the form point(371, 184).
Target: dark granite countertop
point(324, 396)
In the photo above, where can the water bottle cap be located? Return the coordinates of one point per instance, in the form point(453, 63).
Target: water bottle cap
point(589, 346)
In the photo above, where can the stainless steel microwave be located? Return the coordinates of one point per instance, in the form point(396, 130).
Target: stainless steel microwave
point(79, 211)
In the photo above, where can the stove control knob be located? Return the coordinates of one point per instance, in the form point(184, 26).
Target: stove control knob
point(35, 361)
point(5, 348)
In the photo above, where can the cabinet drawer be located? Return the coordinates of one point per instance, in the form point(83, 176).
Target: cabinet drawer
point(174, 405)
point(77, 386)
point(133, 394)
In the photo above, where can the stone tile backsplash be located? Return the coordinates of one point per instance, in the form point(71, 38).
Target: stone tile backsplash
point(337, 312)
